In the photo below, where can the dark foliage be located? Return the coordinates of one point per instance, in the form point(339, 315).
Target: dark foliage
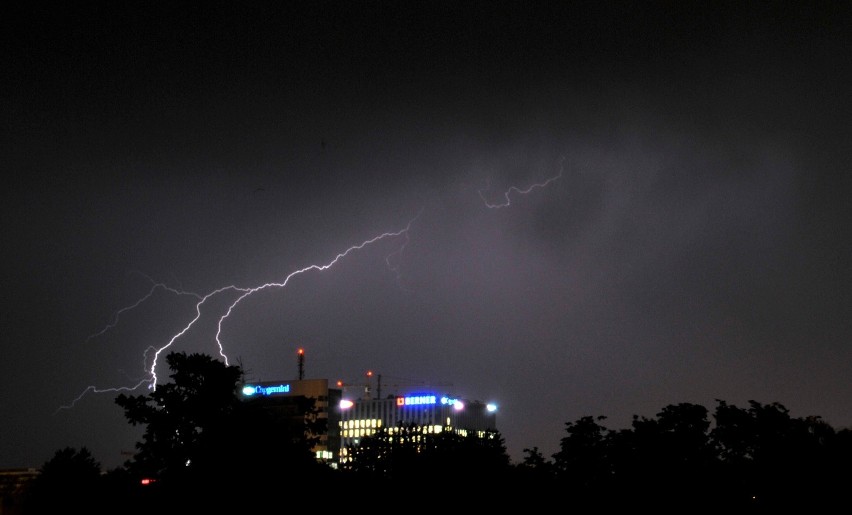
point(202, 443)
point(408, 453)
point(757, 459)
point(205, 449)
point(72, 482)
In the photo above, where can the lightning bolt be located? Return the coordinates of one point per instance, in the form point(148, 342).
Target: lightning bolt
point(242, 293)
point(518, 190)
point(397, 254)
point(94, 389)
point(154, 287)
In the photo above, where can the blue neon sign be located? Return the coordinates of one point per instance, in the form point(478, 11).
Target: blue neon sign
point(249, 390)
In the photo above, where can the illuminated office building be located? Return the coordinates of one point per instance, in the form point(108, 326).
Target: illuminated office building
point(426, 412)
point(351, 417)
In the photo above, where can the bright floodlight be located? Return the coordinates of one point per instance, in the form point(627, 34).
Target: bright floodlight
point(491, 407)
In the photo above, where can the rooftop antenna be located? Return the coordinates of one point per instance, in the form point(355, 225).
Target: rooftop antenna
point(301, 354)
point(367, 386)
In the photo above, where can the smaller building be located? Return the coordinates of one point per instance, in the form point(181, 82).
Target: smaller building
point(13, 484)
point(287, 399)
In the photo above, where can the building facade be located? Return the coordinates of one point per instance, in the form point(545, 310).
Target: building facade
point(285, 398)
point(424, 412)
point(349, 419)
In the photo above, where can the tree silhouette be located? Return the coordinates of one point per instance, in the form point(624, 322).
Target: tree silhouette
point(410, 452)
point(777, 461)
point(202, 440)
point(583, 461)
point(535, 471)
point(69, 481)
point(208, 449)
point(183, 418)
point(665, 461)
point(757, 459)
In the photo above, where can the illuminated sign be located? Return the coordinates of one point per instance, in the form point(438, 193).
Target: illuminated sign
point(416, 400)
point(265, 390)
point(428, 399)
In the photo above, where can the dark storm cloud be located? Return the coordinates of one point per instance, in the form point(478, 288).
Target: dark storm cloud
point(694, 247)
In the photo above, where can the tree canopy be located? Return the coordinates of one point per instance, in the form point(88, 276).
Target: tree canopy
point(206, 447)
point(200, 435)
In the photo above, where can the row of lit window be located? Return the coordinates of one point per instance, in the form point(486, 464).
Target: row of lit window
point(361, 423)
point(344, 452)
point(359, 432)
point(356, 433)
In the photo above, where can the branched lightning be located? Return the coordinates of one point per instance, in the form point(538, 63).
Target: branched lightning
point(398, 254)
point(152, 353)
point(518, 190)
point(94, 389)
point(151, 370)
point(154, 287)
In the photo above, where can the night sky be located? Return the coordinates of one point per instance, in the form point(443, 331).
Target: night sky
point(588, 208)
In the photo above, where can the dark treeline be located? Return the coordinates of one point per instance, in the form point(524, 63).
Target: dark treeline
point(205, 449)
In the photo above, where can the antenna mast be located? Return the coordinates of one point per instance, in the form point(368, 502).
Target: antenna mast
point(367, 385)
